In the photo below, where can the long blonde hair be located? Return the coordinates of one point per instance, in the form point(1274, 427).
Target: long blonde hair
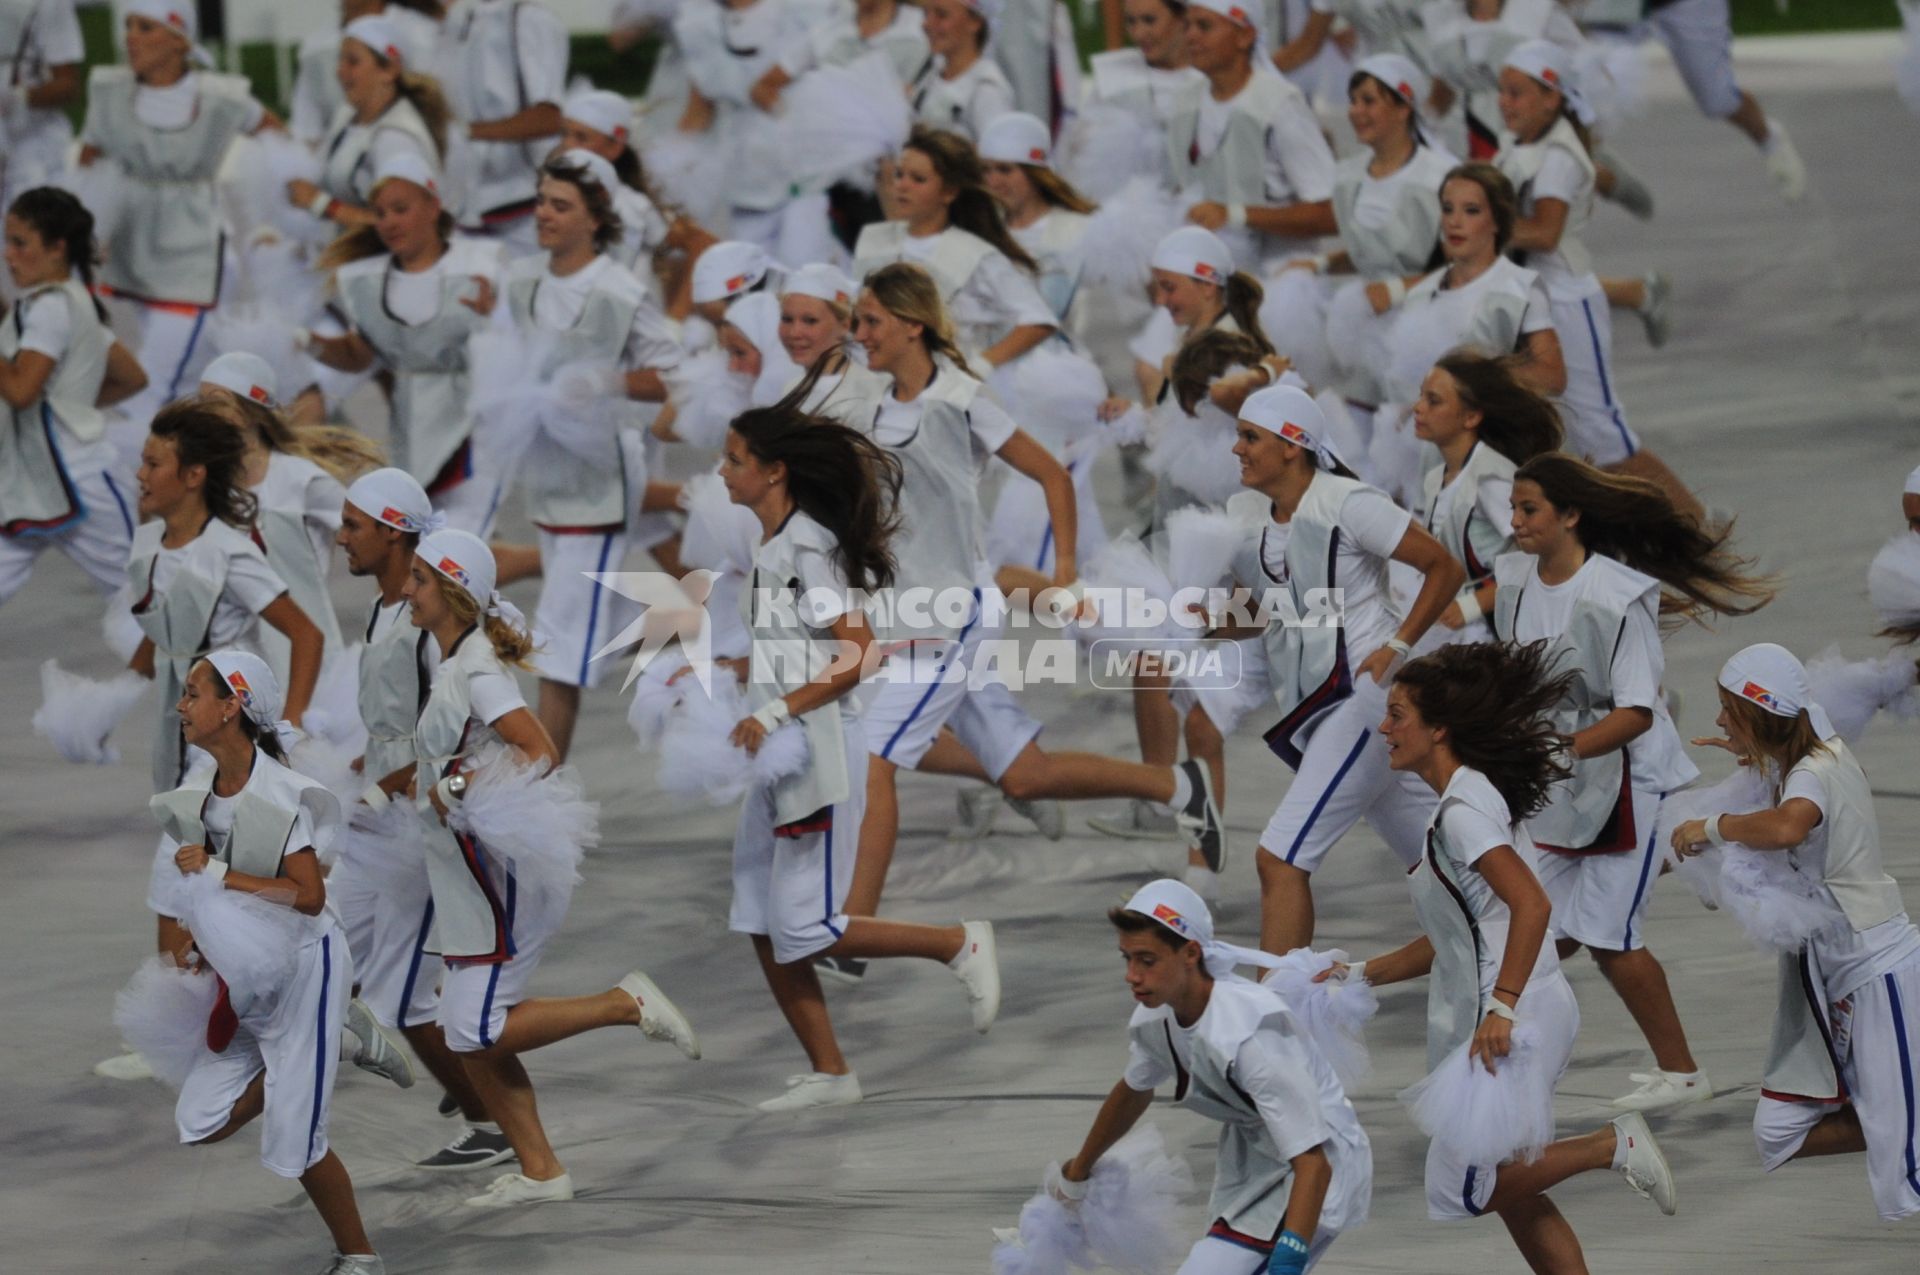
point(908, 292)
point(513, 645)
point(1781, 742)
point(344, 453)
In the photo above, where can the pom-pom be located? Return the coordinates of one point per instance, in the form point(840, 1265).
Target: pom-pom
point(101, 187)
point(1200, 547)
point(331, 766)
point(1129, 1220)
point(1853, 691)
point(697, 757)
point(1294, 317)
point(333, 714)
point(1195, 453)
point(1055, 393)
point(1335, 1012)
point(1893, 585)
point(387, 846)
point(838, 122)
point(1484, 1118)
point(77, 715)
point(162, 1013)
point(654, 698)
point(251, 940)
point(1118, 241)
point(537, 820)
point(1106, 148)
point(503, 367)
point(690, 170)
point(1123, 579)
point(1127, 429)
point(706, 398)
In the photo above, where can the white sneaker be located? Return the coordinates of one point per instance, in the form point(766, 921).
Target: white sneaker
point(978, 966)
point(1665, 1089)
point(1657, 314)
point(379, 1053)
point(131, 1065)
point(816, 1089)
point(975, 808)
point(1204, 882)
point(1784, 165)
point(355, 1264)
point(510, 1189)
point(1138, 822)
point(1644, 1167)
point(1046, 815)
point(660, 1018)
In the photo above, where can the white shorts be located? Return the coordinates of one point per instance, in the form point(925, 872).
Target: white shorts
point(793, 889)
point(1877, 1034)
point(1456, 1189)
point(474, 997)
point(1344, 778)
point(1224, 1251)
point(915, 691)
point(297, 1043)
point(172, 346)
point(993, 726)
point(472, 504)
point(1020, 534)
point(1226, 704)
point(98, 543)
point(1596, 423)
point(577, 615)
point(387, 924)
point(1601, 899)
point(1699, 35)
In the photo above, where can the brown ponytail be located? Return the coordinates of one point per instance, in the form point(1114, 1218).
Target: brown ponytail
point(344, 453)
point(1056, 191)
point(1243, 295)
point(1514, 421)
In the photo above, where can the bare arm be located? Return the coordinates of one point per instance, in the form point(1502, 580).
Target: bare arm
point(1017, 342)
point(346, 353)
point(1517, 887)
point(1312, 1175)
point(1542, 367)
point(646, 385)
point(303, 662)
point(1781, 828)
point(61, 86)
point(1614, 731)
point(542, 119)
point(854, 636)
point(1295, 52)
point(523, 733)
point(1036, 462)
point(1120, 1112)
point(1541, 232)
point(125, 377)
point(300, 869)
point(1441, 578)
point(23, 377)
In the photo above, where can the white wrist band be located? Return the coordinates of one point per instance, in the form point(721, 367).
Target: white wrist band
point(1236, 214)
point(1065, 1186)
point(217, 869)
point(1470, 608)
point(1321, 260)
point(1396, 291)
point(773, 714)
point(302, 338)
point(374, 796)
point(1500, 1009)
point(319, 204)
point(1399, 648)
point(1357, 972)
point(447, 796)
point(1714, 836)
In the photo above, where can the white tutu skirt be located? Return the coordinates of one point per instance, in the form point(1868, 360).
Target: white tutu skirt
point(1129, 1220)
point(1020, 533)
point(1356, 342)
point(1195, 453)
point(537, 821)
point(162, 1014)
point(1893, 584)
point(252, 941)
point(1294, 317)
point(1854, 691)
point(1335, 1013)
point(77, 715)
point(691, 728)
point(838, 122)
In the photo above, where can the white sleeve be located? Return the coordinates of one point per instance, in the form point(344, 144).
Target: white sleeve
point(1273, 1069)
point(391, 143)
point(324, 500)
point(1376, 524)
point(300, 836)
point(543, 55)
point(1296, 143)
point(823, 587)
point(1638, 661)
point(1538, 316)
point(494, 695)
point(1011, 293)
point(253, 584)
point(991, 99)
point(1560, 177)
point(57, 32)
point(992, 427)
point(650, 342)
point(1802, 782)
point(1472, 832)
point(46, 327)
point(1495, 499)
point(1147, 1068)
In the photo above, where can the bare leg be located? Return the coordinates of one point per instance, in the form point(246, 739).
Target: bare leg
point(667, 554)
point(948, 756)
point(1036, 774)
point(1838, 1133)
point(1286, 904)
point(879, 830)
point(1750, 119)
point(1206, 744)
point(1544, 1237)
point(1641, 984)
point(251, 1102)
point(796, 990)
point(430, 1043)
point(866, 937)
point(537, 1023)
point(1155, 722)
point(514, 562)
point(1625, 294)
point(559, 710)
point(1604, 181)
point(1518, 1183)
point(1644, 464)
point(507, 1093)
point(331, 1191)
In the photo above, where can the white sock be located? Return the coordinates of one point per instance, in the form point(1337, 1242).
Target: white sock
point(483, 1126)
point(1182, 789)
point(1773, 139)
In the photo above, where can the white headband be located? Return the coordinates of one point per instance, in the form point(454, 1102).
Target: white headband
point(178, 15)
point(602, 111)
point(1017, 138)
point(252, 682)
point(1247, 13)
point(379, 33)
point(826, 282)
point(1176, 907)
point(1290, 412)
point(407, 166)
point(1196, 253)
point(1913, 483)
point(247, 375)
point(1772, 677)
point(464, 558)
point(395, 497)
point(596, 168)
point(1402, 78)
point(727, 269)
point(1545, 62)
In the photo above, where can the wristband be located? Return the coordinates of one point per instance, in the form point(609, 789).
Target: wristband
point(216, 868)
point(1322, 262)
point(1396, 291)
point(1292, 1243)
point(375, 797)
point(1064, 1187)
point(1714, 836)
point(302, 338)
point(319, 204)
point(1469, 603)
point(773, 714)
point(449, 795)
point(1399, 648)
point(1236, 214)
point(1508, 990)
point(1357, 972)
point(1500, 1009)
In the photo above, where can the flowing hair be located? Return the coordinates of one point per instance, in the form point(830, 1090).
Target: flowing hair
point(1501, 201)
point(973, 210)
point(1781, 742)
point(1198, 363)
point(907, 291)
point(1631, 520)
point(513, 645)
point(1494, 700)
point(344, 453)
point(1056, 191)
point(1243, 295)
point(59, 218)
point(362, 242)
point(837, 476)
point(203, 435)
point(1514, 421)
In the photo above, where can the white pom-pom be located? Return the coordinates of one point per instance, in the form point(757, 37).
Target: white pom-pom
point(251, 940)
point(537, 820)
point(1106, 148)
point(1195, 453)
point(697, 758)
point(1050, 1241)
point(706, 398)
point(1335, 1012)
point(1054, 392)
point(333, 714)
point(1484, 1118)
point(690, 169)
point(1118, 241)
point(101, 187)
point(1853, 691)
point(1744, 791)
point(839, 121)
point(1200, 547)
point(1127, 429)
point(654, 697)
point(1129, 1220)
point(1121, 573)
point(1777, 907)
point(78, 714)
point(1893, 583)
point(330, 766)
point(503, 367)
point(387, 846)
point(162, 1013)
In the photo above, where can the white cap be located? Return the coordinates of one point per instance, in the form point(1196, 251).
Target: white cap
point(463, 558)
point(1772, 677)
point(407, 166)
point(1248, 13)
point(822, 280)
point(988, 10)
point(1402, 78)
point(602, 111)
point(1184, 913)
point(395, 497)
point(252, 682)
point(758, 319)
point(1913, 483)
point(1196, 253)
point(596, 168)
point(727, 269)
point(1291, 413)
point(1547, 63)
point(247, 375)
point(177, 14)
point(381, 34)
point(1017, 138)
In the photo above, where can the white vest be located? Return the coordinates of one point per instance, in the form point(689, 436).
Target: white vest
point(431, 417)
point(264, 812)
point(393, 683)
point(482, 82)
point(956, 254)
point(1521, 163)
point(166, 243)
point(949, 104)
point(1485, 315)
point(1058, 255)
point(1460, 527)
point(1469, 54)
point(290, 552)
point(348, 173)
point(37, 493)
point(1406, 243)
point(1235, 171)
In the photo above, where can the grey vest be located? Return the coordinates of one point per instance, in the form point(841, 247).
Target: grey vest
point(1453, 984)
point(1405, 244)
point(348, 174)
point(431, 420)
point(1235, 171)
point(1591, 812)
point(482, 81)
point(179, 623)
point(1460, 527)
point(261, 824)
point(956, 254)
point(393, 681)
point(166, 243)
point(37, 495)
point(1058, 256)
point(1521, 163)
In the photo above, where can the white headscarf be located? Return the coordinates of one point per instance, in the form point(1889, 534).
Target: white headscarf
point(1772, 677)
point(396, 498)
point(247, 375)
point(407, 166)
point(1291, 413)
point(1017, 138)
point(727, 269)
point(822, 281)
point(464, 558)
point(258, 691)
point(602, 111)
point(757, 318)
point(1185, 913)
point(178, 16)
point(1913, 483)
point(1250, 14)
point(597, 169)
point(381, 34)
point(1195, 252)
point(1547, 63)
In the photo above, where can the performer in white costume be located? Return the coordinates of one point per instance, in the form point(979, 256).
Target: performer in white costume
point(41, 51)
point(961, 88)
point(503, 64)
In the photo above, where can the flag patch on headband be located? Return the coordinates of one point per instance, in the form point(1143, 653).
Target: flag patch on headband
point(257, 393)
point(1762, 696)
point(736, 283)
point(1168, 917)
point(176, 21)
point(1294, 434)
point(393, 54)
point(1203, 270)
point(1405, 89)
point(406, 522)
point(240, 687)
point(1550, 75)
point(1037, 155)
point(454, 571)
point(1239, 15)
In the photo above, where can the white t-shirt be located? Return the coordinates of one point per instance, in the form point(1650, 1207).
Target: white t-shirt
point(251, 587)
point(559, 299)
point(1493, 494)
point(217, 817)
point(540, 45)
point(1851, 958)
point(898, 421)
point(46, 325)
point(385, 619)
point(1473, 819)
point(997, 293)
point(1371, 528)
point(824, 590)
point(414, 297)
point(493, 695)
point(173, 106)
point(1560, 177)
